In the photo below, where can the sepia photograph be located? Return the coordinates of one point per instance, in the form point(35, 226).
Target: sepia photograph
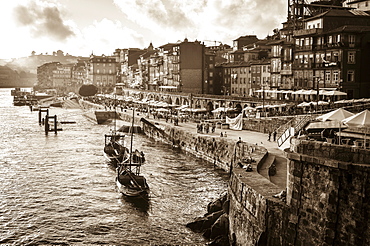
point(182, 122)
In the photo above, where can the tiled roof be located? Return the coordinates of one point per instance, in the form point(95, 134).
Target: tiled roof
point(350, 29)
point(340, 13)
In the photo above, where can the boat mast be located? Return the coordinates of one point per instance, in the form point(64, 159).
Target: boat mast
point(115, 111)
point(132, 135)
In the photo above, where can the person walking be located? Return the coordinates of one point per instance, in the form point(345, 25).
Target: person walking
point(275, 133)
point(269, 139)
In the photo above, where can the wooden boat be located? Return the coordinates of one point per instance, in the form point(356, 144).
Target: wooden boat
point(115, 150)
point(103, 116)
point(129, 181)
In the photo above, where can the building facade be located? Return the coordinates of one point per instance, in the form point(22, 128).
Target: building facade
point(45, 75)
point(331, 52)
point(102, 72)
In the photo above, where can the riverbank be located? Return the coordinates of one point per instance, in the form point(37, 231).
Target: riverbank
point(317, 202)
point(248, 192)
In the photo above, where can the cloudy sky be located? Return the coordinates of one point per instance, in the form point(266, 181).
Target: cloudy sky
point(79, 27)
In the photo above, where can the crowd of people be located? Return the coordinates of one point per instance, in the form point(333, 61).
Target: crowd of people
point(206, 127)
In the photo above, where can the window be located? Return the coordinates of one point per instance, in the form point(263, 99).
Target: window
point(335, 76)
point(351, 40)
point(351, 57)
point(307, 41)
point(210, 74)
point(328, 57)
point(350, 76)
point(335, 56)
point(327, 76)
point(330, 39)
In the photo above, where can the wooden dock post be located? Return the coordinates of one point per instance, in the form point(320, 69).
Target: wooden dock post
point(47, 124)
point(40, 114)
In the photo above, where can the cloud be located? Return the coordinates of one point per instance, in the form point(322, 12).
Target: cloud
point(105, 36)
point(219, 20)
point(43, 19)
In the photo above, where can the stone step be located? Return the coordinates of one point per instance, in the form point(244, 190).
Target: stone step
point(264, 167)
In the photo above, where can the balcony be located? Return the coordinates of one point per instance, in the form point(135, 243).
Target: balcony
point(307, 32)
point(305, 47)
point(286, 72)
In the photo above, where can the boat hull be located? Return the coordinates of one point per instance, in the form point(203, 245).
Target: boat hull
point(115, 152)
point(127, 187)
point(103, 116)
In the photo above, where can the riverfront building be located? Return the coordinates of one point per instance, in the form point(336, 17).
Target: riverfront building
point(102, 72)
point(45, 75)
point(321, 46)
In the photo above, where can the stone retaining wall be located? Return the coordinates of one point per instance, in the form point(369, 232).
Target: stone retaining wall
point(328, 194)
point(254, 216)
point(265, 125)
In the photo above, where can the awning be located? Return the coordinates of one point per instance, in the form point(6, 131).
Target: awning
point(167, 87)
point(326, 125)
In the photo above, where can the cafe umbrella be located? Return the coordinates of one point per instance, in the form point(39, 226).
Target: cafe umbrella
point(360, 120)
point(336, 115)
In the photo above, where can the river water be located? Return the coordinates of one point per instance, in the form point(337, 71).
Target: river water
point(58, 189)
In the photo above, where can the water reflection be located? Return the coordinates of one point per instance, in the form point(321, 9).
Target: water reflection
point(59, 189)
point(141, 204)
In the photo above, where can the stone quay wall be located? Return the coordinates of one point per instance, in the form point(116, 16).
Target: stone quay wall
point(222, 152)
point(328, 194)
point(265, 124)
point(327, 199)
point(255, 216)
point(89, 105)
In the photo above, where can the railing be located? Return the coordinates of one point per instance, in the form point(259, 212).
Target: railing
point(281, 140)
point(297, 127)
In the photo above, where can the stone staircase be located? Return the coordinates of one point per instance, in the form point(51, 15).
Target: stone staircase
point(292, 128)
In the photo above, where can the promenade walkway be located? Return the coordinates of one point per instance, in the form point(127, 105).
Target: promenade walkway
point(276, 156)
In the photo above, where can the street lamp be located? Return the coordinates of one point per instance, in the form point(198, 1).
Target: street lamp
point(317, 91)
point(263, 99)
point(224, 88)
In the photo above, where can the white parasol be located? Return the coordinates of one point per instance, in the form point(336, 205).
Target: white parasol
point(336, 115)
point(360, 120)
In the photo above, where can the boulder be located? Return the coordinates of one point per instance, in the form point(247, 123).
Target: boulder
point(203, 223)
point(220, 227)
point(216, 205)
point(226, 206)
point(220, 241)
